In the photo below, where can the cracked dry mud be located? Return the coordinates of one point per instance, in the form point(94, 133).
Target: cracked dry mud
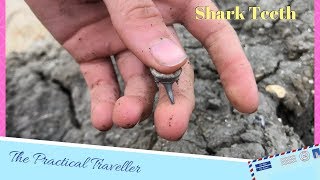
point(47, 97)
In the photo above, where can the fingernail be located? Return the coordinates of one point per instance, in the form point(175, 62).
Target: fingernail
point(167, 53)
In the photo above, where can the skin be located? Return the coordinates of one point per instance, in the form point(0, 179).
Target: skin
point(94, 30)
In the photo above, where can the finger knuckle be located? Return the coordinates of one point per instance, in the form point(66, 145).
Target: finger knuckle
point(141, 11)
point(213, 36)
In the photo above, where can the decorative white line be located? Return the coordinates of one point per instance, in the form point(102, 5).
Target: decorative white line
point(85, 146)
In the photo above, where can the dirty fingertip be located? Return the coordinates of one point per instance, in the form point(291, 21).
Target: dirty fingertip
point(245, 102)
point(101, 117)
point(173, 124)
point(127, 112)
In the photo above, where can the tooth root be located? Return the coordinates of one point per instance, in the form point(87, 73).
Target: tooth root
point(168, 87)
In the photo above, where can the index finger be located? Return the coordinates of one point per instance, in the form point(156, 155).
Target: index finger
point(223, 45)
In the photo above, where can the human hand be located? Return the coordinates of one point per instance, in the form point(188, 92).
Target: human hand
point(140, 35)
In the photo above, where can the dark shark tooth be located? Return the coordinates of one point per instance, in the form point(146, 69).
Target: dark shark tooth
point(167, 81)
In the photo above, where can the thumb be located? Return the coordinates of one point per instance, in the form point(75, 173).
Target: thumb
point(142, 29)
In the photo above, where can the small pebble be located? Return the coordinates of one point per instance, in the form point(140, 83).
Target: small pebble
point(267, 25)
point(279, 91)
point(311, 81)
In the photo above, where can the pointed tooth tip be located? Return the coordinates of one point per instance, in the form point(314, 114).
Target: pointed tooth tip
point(172, 101)
point(169, 91)
point(171, 97)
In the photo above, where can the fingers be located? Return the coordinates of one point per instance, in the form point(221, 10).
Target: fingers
point(140, 89)
point(64, 18)
point(95, 41)
point(141, 28)
point(84, 28)
point(171, 121)
point(104, 91)
point(224, 47)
